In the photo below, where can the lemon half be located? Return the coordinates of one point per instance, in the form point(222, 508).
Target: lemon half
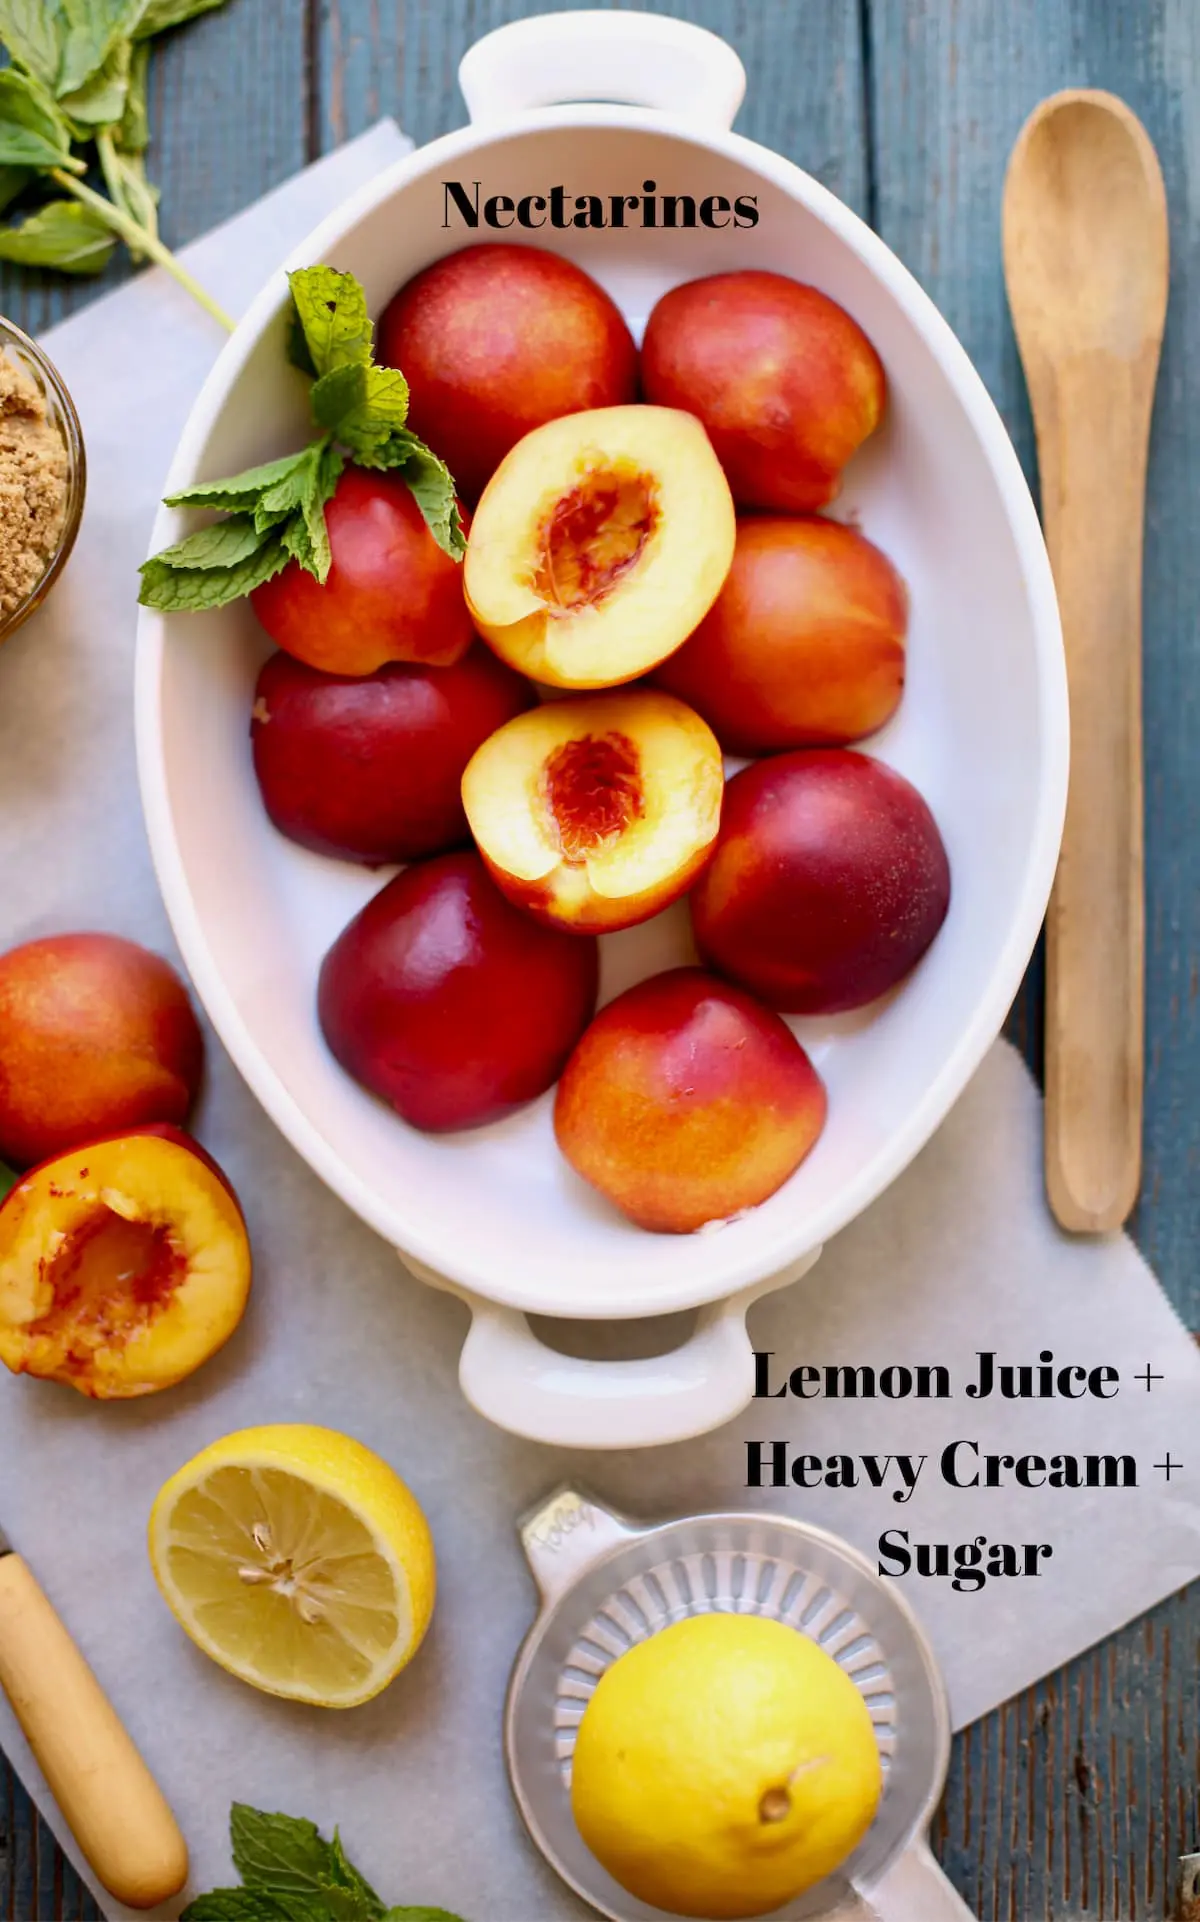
point(298, 1560)
point(724, 1766)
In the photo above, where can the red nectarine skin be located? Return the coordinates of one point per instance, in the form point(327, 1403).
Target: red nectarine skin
point(786, 383)
point(494, 341)
point(805, 645)
point(96, 1036)
point(391, 594)
point(449, 1003)
point(371, 769)
point(828, 883)
point(687, 1102)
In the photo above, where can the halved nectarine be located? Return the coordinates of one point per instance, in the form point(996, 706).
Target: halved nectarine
point(599, 543)
point(123, 1265)
point(594, 813)
point(686, 1102)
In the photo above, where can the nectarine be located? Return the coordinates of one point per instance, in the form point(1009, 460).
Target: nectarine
point(787, 384)
point(496, 340)
point(596, 812)
point(123, 1265)
point(392, 594)
point(804, 645)
point(371, 769)
point(828, 882)
point(599, 543)
point(686, 1102)
point(449, 1003)
point(96, 1035)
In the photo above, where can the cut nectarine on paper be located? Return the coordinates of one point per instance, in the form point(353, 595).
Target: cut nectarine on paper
point(599, 543)
point(686, 1102)
point(123, 1265)
point(596, 812)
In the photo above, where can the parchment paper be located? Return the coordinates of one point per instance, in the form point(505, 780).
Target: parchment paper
point(959, 1256)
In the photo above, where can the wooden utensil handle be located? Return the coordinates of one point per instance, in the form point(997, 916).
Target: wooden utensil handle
point(1092, 458)
point(105, 1791)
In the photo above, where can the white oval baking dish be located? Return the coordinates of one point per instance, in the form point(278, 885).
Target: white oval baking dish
point(495, 1215)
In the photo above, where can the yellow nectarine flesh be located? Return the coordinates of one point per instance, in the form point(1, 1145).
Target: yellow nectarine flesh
point(596, 812)
point(599, 543)
point(123, 1266)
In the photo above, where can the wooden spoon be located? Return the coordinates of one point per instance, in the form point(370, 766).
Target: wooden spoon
point(1085, 260)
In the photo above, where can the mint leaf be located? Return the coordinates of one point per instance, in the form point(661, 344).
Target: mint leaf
point(64, 234)
point(419, 1915)
point(232, 1905)
point(280, 1854)
point(177, 590)
point(361, 405)
point(133, 134)
point(430, 482)
point(350, 1878)
point(223, 544)
point(33, 33)
point(94, 29)
point(332, 311)
point(7, 1179)
point(161, 14)
point(342, 1904)
point(100, 101)
point(240, 491)
point(32, 131)
point(13, 181)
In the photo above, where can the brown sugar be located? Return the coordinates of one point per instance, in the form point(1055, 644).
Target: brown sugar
point(33, 484)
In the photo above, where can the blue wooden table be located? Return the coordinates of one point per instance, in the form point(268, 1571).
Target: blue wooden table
point(1076, 1799)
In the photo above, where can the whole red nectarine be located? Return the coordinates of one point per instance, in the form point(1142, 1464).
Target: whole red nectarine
point(785, 381)
point(370, 769)
point(449, 1003)
point(804, 645)
point(496, 340)
point(828, 882)
point(96, 1035)
point(686, 1102)
point(391, 594)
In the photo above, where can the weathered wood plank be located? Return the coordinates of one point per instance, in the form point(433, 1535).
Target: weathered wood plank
point(804, 92)
point(228, 120)
point(951, 86)
point(1077, 1799)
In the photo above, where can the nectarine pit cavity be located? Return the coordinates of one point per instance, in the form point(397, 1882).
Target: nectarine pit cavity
point(108, 1278)
point(592, 787)
point(593, 535)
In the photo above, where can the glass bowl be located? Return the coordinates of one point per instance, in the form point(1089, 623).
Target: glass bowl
point(60, 411)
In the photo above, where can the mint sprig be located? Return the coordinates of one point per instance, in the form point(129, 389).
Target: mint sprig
point(277, 510)
point(290, 1873)
point(77, 78)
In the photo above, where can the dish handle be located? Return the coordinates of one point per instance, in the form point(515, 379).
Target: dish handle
point(639, 59)
point(567, 1401)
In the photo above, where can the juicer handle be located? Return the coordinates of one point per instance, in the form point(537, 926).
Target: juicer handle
point(914, 1889)
point(638, 59)
point(567, 1401)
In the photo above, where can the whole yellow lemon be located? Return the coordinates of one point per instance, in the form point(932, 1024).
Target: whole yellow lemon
point(724, 1766)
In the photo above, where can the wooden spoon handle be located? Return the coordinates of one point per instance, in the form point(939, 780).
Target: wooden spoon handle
point(1092, 446)
point(105, 1791)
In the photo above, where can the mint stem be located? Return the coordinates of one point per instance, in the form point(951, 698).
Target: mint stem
point(140, 240)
